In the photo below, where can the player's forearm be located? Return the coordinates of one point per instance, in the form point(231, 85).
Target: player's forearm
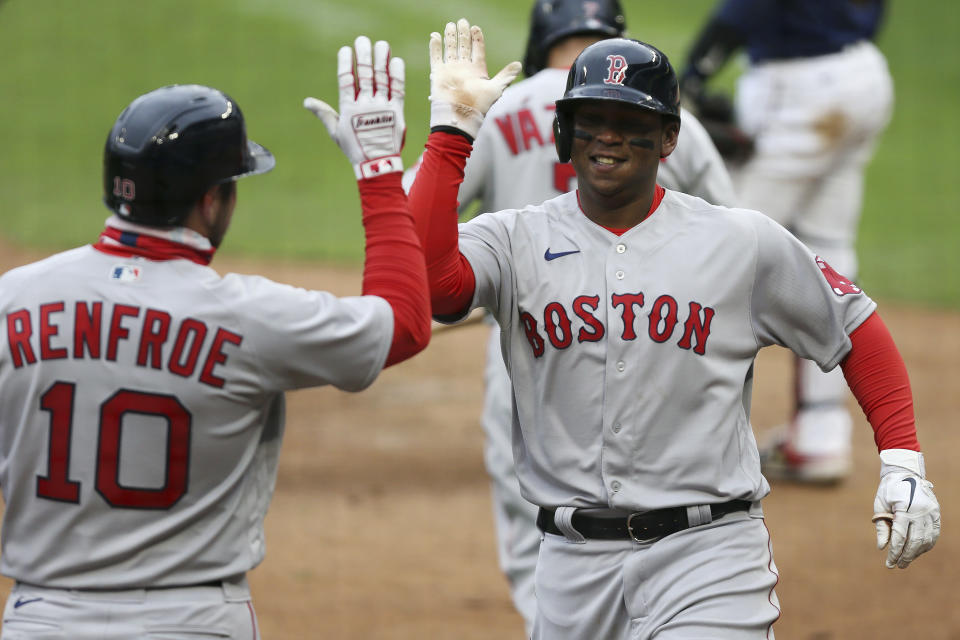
point(433, 194)
point(433, 203)
point(877, 376)
point(394, 267)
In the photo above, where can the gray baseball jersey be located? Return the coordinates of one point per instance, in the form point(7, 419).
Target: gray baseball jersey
point(632, 356)
point(142, 403)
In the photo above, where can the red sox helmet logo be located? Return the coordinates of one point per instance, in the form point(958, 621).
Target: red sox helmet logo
point(591, 9)
point(840, 285)
point(616, 69)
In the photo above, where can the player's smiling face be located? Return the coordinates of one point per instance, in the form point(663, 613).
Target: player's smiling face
point(617, 149)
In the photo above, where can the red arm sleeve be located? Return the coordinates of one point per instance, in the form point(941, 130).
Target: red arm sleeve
point(878, 379)
point(433, 203)
point(394, 268)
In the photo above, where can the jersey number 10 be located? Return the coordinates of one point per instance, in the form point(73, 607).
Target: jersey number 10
point(56, 485)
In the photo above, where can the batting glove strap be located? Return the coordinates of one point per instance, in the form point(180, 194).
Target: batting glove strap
point(906, 511)
point(902, 458)
point(378, 167)
point(455, 116)
point(461, 92)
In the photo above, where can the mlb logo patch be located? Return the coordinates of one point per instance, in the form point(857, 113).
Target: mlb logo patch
point(126, 273)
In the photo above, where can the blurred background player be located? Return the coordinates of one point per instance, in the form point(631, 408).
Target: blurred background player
point(514, 163)
point(815, 97)
point(142, 394)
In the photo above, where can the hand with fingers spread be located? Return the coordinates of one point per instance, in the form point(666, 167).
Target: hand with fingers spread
point(370, 128)
point(461, 92)
point(906, 513)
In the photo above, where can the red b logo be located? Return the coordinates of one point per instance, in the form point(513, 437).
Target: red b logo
point(840, 285)
point(616, 69)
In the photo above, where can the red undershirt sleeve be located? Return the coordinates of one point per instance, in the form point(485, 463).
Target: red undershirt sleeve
point(877, 376)
point(394, 268)
point(433, 203)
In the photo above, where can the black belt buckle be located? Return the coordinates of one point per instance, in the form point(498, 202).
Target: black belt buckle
point(641, 527)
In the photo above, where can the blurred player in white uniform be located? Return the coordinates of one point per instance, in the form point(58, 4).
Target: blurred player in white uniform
point(815, 98)
point(631, 316)
point(513, 164)
point(142, 394)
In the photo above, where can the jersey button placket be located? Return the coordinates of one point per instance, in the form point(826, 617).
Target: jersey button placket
point(620, 248)
point(616, 456)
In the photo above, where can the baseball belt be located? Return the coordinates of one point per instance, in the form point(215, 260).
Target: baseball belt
point(643, 526)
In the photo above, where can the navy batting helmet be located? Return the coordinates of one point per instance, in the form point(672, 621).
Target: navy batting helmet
point(553, 20)
point(618, 70)
point(169, 146)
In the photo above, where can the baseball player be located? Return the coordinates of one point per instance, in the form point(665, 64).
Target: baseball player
point(631, 316)
point(142, 394)
point(816, 96)
point(513, 164)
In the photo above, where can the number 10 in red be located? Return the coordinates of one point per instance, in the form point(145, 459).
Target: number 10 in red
point(56, 485)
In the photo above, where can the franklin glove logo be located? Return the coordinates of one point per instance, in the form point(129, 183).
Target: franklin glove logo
point(365, 121)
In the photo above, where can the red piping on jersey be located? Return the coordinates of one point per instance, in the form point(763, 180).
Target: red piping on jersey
point(658, 193)
point(878, 379)
point(433, 203)
point(253, 621)
point(127, 244)
point(772, 569)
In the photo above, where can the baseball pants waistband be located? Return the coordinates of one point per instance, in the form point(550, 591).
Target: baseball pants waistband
point(235, 589)
point(642, 526)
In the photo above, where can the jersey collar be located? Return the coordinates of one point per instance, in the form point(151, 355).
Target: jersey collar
point(658, 193)
point(122, 238)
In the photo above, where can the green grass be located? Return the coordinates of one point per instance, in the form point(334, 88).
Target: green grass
point(69, 67)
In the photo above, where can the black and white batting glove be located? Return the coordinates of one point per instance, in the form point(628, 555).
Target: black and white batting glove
point(461, 92)
point(906, 513)
point(370, 128)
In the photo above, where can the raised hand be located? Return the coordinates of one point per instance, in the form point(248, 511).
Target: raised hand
point(370, 128)
point(461, 92)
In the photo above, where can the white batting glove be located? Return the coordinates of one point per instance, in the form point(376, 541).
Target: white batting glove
point(461, 92)
point(906, 513)
point(370, 128)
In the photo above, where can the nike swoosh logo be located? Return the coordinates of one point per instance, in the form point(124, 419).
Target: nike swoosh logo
point(20, 602)
point(913, 489)
point(553, 256)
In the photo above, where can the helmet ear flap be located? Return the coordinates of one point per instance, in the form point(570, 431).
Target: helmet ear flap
point(533, 59)
point(562, 135)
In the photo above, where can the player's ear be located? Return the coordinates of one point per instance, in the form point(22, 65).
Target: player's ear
point(208, 203)
point(669, 132)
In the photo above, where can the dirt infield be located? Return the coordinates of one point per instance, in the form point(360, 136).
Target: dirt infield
point(381, 525)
